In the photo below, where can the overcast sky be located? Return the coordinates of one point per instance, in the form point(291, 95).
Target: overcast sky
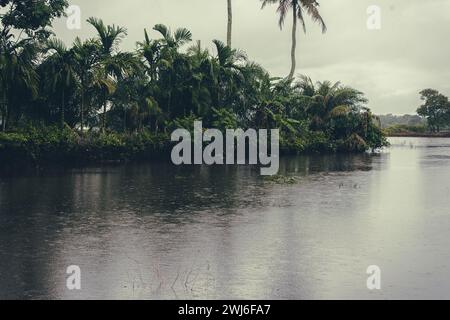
point(410, 52)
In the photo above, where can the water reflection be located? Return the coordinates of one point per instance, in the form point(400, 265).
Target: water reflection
point(159, 231)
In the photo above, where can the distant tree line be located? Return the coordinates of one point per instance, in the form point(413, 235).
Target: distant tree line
point(389, 120)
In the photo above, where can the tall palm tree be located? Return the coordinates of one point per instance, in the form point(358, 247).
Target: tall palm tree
point(299, 7)
point(230, 22)
point(111, 63)
point(150, 52)
point(228, 65)
point(62, 67)
point(85, 56)
point(17, 70)
point(109, 36)
point(170, 56)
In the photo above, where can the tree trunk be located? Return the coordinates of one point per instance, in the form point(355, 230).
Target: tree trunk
point(62, 108)
point(104, 114)
point(4, 111)
point(124, 120)
point(294, 42)
point(230, 23)
point(169, 102)
point(4, 119)
point(82, 112)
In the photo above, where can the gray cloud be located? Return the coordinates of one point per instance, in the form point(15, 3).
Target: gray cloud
point(391, 66)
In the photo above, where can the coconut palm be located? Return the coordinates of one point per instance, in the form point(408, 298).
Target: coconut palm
point(298, 7)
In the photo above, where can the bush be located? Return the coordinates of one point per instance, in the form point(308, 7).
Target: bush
point(53, 145)
point(354, 143)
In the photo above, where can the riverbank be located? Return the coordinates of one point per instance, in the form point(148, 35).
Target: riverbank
point(419, 135)
point(50, 145)
point(413, 131)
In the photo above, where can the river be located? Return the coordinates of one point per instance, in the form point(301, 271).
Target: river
point(156, 231)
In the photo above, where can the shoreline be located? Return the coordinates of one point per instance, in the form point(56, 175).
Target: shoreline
point(49, 145)
point(420, 135)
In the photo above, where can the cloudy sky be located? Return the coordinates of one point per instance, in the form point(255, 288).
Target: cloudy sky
point(410, 52)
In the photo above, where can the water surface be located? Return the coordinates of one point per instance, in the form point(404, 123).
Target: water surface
point(156, 231)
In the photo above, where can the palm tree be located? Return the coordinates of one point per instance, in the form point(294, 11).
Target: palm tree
point(298, 8)
point(86, 56)
point(228, 65)
point(150, 52)
point(180, 37)
point(109, 36)
point(62, 68)
point(170, 57)
point(230, 22)
point(111, 64)
point(327, 100)
point(105, 85)
point(17, 70)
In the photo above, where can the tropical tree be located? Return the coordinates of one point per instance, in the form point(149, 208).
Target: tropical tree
point(17, 71)
point(150, 53)
point(326, 98)
point(111, 64)
point(173, 65)
point(23, 25)
point(61, 65)
point(173, 41)
point(228, 65)
point(299, 8)
point(203, 81)
point(85, 58)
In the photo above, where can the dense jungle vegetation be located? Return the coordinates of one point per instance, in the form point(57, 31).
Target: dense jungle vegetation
point(91, 100)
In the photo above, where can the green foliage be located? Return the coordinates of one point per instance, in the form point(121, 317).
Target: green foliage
point(31, 15)
point(436, 109)
point(111, 104)
point(53, 145)
point(224, 119)
point(354, 143)
point(183, 123)
point(390, 120)
point(33, 144)
point(401, 129)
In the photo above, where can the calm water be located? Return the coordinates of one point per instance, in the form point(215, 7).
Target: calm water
point(161, 232)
